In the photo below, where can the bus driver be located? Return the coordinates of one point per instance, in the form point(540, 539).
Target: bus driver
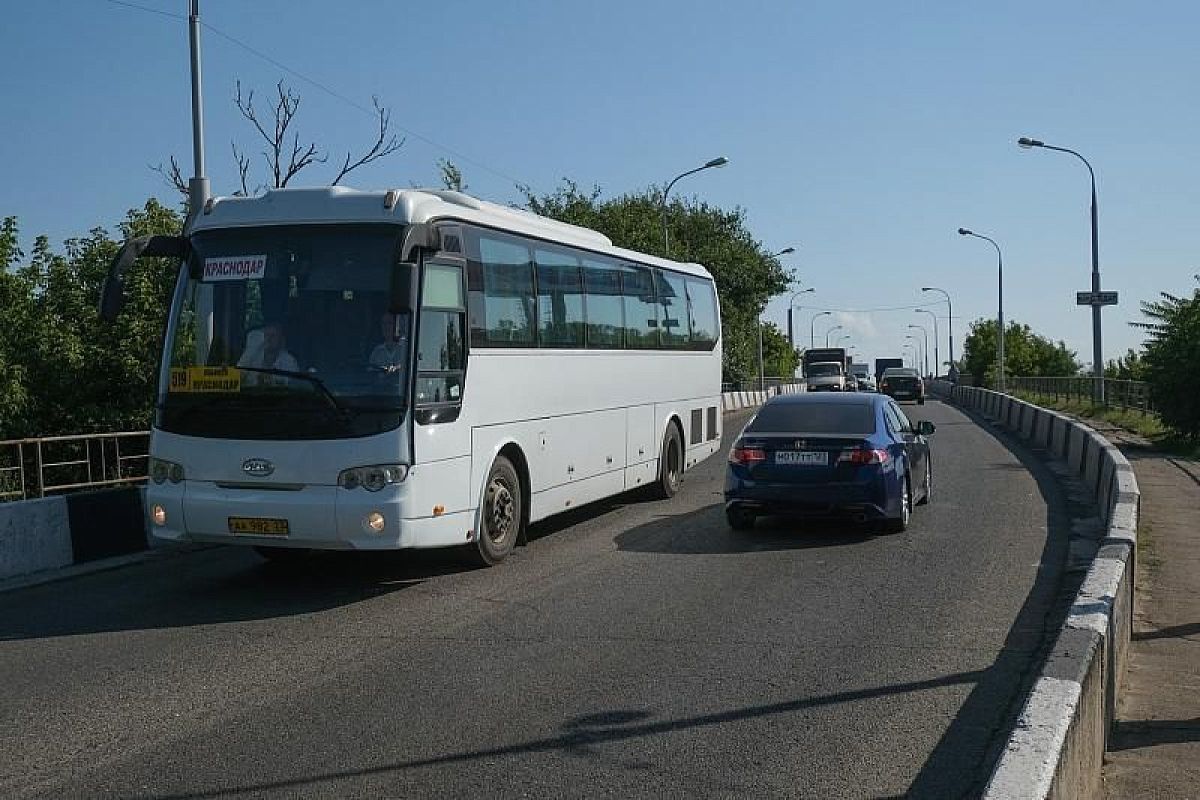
point(391, 354)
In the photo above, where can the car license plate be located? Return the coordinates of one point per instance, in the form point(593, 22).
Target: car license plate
point(814, 458)
point(258, 525)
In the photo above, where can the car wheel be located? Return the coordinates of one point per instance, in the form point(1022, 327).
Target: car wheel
point(501, 516)
point(927, 487)
point(920, 401)
point(739, 519)
point(900, 524)
point(670, 464)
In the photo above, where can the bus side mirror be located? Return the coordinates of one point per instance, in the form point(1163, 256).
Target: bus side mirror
point(112, 296)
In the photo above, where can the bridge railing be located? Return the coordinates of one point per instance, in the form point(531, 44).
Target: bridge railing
point(48, 465)
point(1130, 395)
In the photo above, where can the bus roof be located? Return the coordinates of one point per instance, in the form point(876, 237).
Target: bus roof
point(339, 204)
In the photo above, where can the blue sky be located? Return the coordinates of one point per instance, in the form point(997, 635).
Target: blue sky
point(864, 133)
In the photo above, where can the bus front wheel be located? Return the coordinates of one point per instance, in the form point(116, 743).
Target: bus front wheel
point(501, 515)
point(670, 463)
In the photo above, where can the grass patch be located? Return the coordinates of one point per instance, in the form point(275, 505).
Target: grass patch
point(1148, 426)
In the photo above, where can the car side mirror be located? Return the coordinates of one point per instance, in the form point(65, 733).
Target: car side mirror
point(925, 428)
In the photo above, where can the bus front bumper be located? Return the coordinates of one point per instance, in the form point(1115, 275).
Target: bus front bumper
point(320, 517)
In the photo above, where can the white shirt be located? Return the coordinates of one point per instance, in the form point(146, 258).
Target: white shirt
point(257, 357)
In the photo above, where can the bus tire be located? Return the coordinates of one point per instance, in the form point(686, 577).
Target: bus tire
point(500, 514)
point(670, 463)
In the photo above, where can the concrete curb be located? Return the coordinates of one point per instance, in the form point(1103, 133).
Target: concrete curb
point(1057, 748)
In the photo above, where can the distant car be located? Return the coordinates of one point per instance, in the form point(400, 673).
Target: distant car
point(865, 382)
point(852, 382)
point(853, 456)
point(903, 383)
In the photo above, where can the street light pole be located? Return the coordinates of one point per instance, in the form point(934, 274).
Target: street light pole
point(812, 329)
point(999, 307)
point(791, 305)
point(198, 186)
point(831, 330)
point(937, 357)
point(950, 317)
point(925, 332)
point(1097, 348)
point(716, 162)
point(922, 358)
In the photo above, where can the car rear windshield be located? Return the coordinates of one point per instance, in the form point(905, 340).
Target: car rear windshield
point(814, 418)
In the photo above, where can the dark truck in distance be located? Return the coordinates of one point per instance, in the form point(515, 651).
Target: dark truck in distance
point(882, 364)
point(825, 369)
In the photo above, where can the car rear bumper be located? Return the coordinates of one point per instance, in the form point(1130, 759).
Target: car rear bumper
point(846, 500)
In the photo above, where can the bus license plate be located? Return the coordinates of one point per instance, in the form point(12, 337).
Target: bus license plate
point(258, 525)
point(813, 458)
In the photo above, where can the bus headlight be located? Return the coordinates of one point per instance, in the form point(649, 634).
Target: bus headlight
point(162, 470)
point(372, 478)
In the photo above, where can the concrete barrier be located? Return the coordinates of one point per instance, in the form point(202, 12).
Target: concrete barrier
point(53, 532)
point(1057, 748)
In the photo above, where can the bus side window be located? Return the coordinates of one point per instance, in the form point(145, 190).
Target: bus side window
point(509, 304)
point(605, 314)
point(702, 307)
point(441, 349)
point(672, 296)
point(560, 298)
point(641, 308)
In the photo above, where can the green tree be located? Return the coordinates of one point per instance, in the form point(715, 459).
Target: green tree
point(1129, 367)
point(63, 370)
point(745, 273)
point(1025, 353)
point(1172, 360)
point(779, 359)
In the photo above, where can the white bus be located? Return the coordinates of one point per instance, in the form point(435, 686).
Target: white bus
point(378, 370)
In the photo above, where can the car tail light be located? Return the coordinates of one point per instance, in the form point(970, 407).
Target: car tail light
point(747, 456)
point(864, 456)
point(883, 384)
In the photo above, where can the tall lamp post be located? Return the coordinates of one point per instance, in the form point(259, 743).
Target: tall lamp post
point(812, 329)
point(922, 361)
point(925, 332)
point(831, 330)
point(937, 356)
point(949, 316)
point(792, 305)
point(999, 306)
point(716, 162)
point(909, 346)
point(1097, 349)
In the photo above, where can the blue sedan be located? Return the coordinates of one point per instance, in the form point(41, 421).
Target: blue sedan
point(854, 456)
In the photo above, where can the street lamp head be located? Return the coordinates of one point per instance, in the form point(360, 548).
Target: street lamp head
point(926, 288)
point(717, 162)
point(961, 232)
point(922, 311)
point(1027, 143)
point(825, 314)
point(785, 251)
point(915, 326)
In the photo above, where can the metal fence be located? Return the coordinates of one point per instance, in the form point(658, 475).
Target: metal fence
point(58, 464)
point(1133, 395)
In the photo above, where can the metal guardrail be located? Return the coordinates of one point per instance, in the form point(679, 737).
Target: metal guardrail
point(752, 384)
point(1130, 395)
point(55, 464)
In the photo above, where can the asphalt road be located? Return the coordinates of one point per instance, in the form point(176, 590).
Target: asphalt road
point(637, 648)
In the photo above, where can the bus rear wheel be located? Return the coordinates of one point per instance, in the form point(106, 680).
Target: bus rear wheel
point(670, 464)
point(501, 515)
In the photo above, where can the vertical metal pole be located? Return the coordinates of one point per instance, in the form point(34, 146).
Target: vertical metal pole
point(38, 463)
point(198, 186)
point(791, 334)
point(1000, 321)
point(1097, 349)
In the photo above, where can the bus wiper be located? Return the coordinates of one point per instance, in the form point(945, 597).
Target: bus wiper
point(304, 376)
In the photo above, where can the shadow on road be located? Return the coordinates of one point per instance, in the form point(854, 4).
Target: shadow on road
point(581, 733)
point(211, 586)
point(704, 532)
point(1132, 734)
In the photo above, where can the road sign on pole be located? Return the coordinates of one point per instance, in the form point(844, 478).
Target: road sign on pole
point(1096, 298)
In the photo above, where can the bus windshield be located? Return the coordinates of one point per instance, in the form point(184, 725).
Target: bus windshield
point(286, 333)
point(824, 370)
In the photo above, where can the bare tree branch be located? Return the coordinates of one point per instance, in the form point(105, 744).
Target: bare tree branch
point(174, 176)
point(243, 167)
point(286, 105)
point(384, 144)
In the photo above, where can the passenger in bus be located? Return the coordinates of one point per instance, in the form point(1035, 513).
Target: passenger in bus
point(267, 350)
point(391, 354)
